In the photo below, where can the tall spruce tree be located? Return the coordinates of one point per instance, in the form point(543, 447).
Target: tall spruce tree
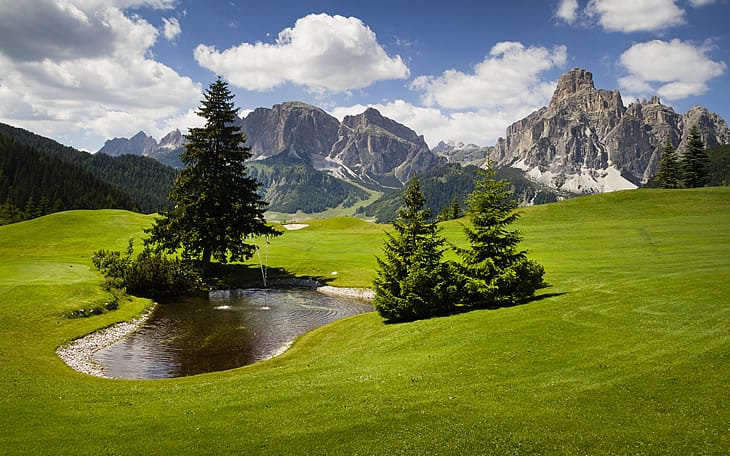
point(494, 271)
point(695, 162)
point(412, 281)
point(669, 173)
point(216, 205)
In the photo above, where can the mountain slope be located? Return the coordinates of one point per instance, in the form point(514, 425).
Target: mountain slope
point(146, 181)
point(586, 141)
point(33, 184)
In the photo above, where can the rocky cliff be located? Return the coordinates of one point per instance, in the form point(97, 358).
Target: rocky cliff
point(139, 144)
point(300, 130)
point(372, 148)
point(368, 147)
point(586, 141)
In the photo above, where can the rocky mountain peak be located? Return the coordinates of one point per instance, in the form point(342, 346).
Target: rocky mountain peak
point(139, 144)
point(572, 82)
point(586, 141)
point(172, 140)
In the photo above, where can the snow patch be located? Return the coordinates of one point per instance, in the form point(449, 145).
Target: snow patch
point(588, 180)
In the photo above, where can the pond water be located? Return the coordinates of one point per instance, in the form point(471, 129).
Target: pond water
point(224, 330)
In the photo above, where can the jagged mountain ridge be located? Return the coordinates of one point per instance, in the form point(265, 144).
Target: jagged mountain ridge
point(586, 141)
point(367, 148)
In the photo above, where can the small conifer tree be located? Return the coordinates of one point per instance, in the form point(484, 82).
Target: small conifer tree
point(494, 271)
point(696, 162)
point(412, 281)
point(669, 173)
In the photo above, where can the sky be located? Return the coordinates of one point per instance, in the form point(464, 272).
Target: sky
point(84, 71)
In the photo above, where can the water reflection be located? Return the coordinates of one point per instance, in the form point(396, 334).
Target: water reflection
point(225, 330)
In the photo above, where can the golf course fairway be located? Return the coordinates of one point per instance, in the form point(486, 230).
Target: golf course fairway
point(627, 351)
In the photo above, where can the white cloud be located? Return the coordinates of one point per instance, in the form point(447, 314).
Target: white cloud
point(476, 107)
point(673, 69)
point(568, 11)
point(481, 127)
point(171, 28)
point(698, 3)
point(322, 52)
point(634, 15)
point(508, 77)
point(96, 81)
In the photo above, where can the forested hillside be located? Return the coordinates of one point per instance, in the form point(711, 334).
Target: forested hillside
point(146, 181)
point(290, 186)
point(34, 184)
point(719, 167)
point(447, 184)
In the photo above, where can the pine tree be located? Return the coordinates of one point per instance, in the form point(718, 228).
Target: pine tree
point(412, 280)
point(494, 271)
point(669, 173)
point(216, 205)
point(695, 163)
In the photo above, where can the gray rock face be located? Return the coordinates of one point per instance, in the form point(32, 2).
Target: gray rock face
point(365, 147)
point(371, 145)
point(139, 144)
point(586, 141)
point(301, 130)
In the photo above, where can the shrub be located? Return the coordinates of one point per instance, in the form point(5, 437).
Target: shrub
point(149, 274)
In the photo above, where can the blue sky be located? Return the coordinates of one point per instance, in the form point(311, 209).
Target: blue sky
point(82, 71)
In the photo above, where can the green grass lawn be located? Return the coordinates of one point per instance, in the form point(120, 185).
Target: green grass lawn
point(626, 352)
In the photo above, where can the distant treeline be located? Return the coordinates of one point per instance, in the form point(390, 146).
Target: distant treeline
point(446, 189)
point(39, 176)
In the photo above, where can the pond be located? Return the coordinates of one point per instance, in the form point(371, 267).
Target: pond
point(224, 330)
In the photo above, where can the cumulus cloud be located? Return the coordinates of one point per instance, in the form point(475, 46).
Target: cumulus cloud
point(673, 69)
point(481, 127)
point(568, 11)
point(321, 52)
point(635, 16)
point(94, 78)
point(171, 28)
point(476, 107)
point(508, 77)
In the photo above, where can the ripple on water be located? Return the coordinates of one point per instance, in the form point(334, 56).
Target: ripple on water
point(227, 329)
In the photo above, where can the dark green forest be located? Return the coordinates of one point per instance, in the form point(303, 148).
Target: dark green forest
point(444, 185)
point(719, 167)
point(33, 184)
point(39, 176)
point(290, 185)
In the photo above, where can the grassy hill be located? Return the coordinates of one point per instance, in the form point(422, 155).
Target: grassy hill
point(627, 352)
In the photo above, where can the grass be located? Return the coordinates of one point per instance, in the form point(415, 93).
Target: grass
point(627, 352)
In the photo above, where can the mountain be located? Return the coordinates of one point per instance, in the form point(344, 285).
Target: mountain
point(299, 130)
point(139, 144)
point(445, 183)
point(166, 152)
point(291, 186)
point(33, 183)
point(367, 148)
point(146, 181)
point(466, 154)
point(380, 152)
point(586, 141)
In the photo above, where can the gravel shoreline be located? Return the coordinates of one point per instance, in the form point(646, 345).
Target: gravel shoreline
point(78, 354)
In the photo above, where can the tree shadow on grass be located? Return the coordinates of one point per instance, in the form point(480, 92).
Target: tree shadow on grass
point(234, 276)
point(495, 306)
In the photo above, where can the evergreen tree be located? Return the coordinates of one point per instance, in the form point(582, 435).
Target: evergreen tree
point(669, 173)
point(217, 207)
point(494, 271)
point(412, 280)
point(695, 162)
